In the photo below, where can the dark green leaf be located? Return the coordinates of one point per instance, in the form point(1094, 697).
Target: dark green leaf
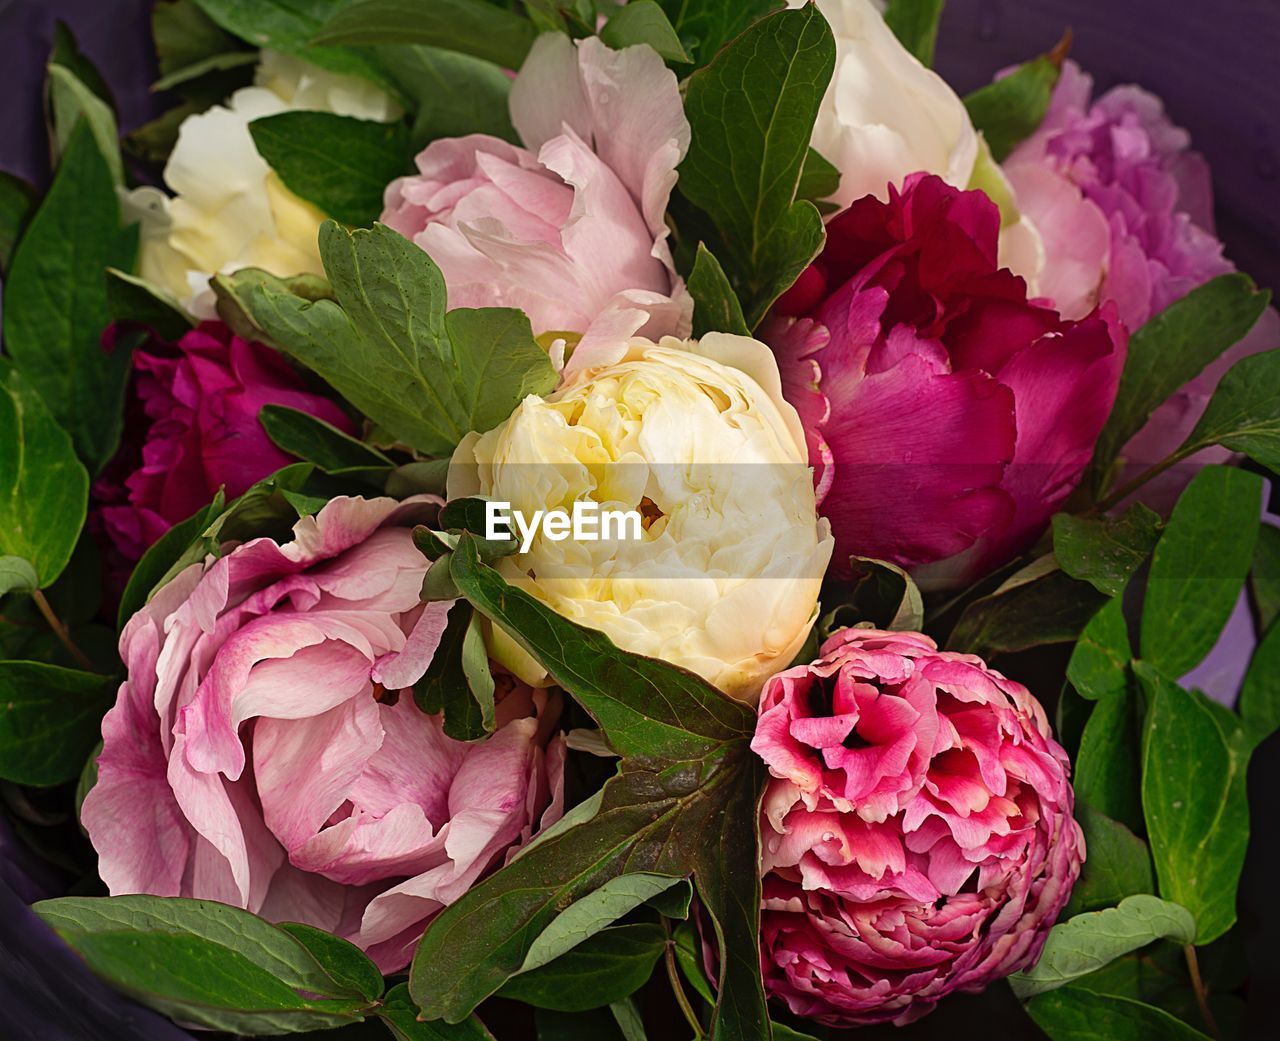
point(387, 344)
point(1194, 800)
point(185, 36)
point(595, 1025)
point(644, 22)
point(70, 101)
point(752, 111)
point(17, 576)
point(1244, 412)
point(915, 24)
point(159, 560)
point(1105, 551)
point(607, 967)
point(1170, 350)
point(782, 1032)
point(1010, 109)
point(470, 26)
point(315, 441)
point(1100, 661)
point(715, 305)
point(66, 52)
point(1118, 864)
point(688, 944)
point(352, 973)
point(819, 178)
point(55, 301)
point(707, 25)
point(1260, 695)
point(49, 719)
point(1107, 772)
point(1199, 567)
point(453, 94)
point(17, 203)
point(400, 1015)
point(1075, 1014)
point(1264, 577)
point(341, 164)
point(44, 490)
point(212, 64)
point(134, 299)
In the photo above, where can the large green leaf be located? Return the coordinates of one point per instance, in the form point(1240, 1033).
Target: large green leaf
point(17, 203)
point(610, 965)
point(684, 802)
point(70, 101)
point(1118, 864)
point(644, 22)
point(1105, 551)
point(342, 961)
point(1171, 349)
point(55, 301)
point(707, 25)
point(915, 24)
point(470, 26)
point(315, 441)
point(44, 490)
point(400, 1015)
point(716, 307)
point(343, 165)
point(185, 37)
point(752, 111)
point(49, 719)
point(1099, 662)
point(387, 344)
point(1264, 576)
point(1244, 412)
point(1107, 774)
point(1260, 695)
point(1088, 941)
point(1075, 1014)
point(453, 94)
point(1199, 567)
point(1010, 109)
point(1195, 801)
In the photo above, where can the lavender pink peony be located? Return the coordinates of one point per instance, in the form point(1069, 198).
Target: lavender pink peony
point(265, 749)
point(948, 416)
point(198, 430)
point(916, 829)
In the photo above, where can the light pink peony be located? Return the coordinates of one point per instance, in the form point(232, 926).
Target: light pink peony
point(916, 829)
point(570, 228)
point(258, 754)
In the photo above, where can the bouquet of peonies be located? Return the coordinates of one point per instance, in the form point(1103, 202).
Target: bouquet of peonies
point(574, 519)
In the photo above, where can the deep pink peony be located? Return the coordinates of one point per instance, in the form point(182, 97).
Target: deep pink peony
point(571, 227)
point(197, 405)
point(258, 753)
point(916, 829)
point(948, 415)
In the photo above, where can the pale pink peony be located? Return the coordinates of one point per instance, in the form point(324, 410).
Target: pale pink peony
point(569, 228)
point(258, 755)
point(916, 829)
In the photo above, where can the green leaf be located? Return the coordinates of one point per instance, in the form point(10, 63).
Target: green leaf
point(343, 962)
point(341, 164)
point(134, 299)
point(1264, 577)
point(55, 301)
point(400, 1015)
point(1100, 660)
point(782, 1032)
point(49, 719)
point(1105, 551)
point(213, 64)
point(1074, 1014)
point(159, 560)
point(627, 1016)
point(606, 967)
point(453, 94)
point(715, 305)
point(1170, 350)
point(1260, 695)
point(470, 26)
point(66, 52)
point(644, 22)
point(387, 344)
point(70, 101)
point(688, 947)
point(915, 24)
point(1089, 941)
point(819, 178)
point(17, 203)
point(287, 25)
point(1010, 109)
point(1118, 864)
point(185, 36)
point(684, 801)
point(1195, 801)
point(310, 438)
point(1244, 412)
point(1199, 567)
point(1107, 766)
point(752, 111)
point(44, 491)
point(706, 26)
point(596, 1025)
point(17, 576)
point(202, 962)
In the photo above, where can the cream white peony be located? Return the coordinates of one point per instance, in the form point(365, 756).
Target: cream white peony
point(696, 436)
point(229, 209)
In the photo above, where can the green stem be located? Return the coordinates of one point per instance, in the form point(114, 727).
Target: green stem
point(676, 987)
point(1129, 487)
point(60, 631)
point(1202, 996)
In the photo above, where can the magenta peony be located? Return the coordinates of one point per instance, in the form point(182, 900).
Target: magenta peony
point(570, 228)
point(916, 829)
point(948, 416)
point(195, 429)
point(265, 749)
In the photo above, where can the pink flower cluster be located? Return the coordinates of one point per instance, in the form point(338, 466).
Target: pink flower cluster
point(917, 831)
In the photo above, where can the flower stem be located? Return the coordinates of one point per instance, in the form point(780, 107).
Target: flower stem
point(1129, 487)
point(60, 631)
point(1202, 996)
point(677, 989)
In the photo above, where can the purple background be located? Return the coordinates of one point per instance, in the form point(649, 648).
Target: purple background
point(1213, 61)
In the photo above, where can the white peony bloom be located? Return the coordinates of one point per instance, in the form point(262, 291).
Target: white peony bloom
point(229, 209)
point(724, 577)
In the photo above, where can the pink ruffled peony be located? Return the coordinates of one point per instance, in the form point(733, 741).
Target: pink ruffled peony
point(570, 228)
point(196, 413)
point(259, 753)
point(917, 831)
point(948, 416)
